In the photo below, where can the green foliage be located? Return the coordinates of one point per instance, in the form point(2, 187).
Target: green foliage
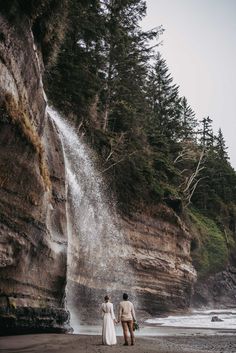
point(210, 253)
point(132, 113)
point(206, 133)
point(217, 187)
point(188, 121)
point(48, 19)
point(220, 146)
point(164, 101)
point(74, 80)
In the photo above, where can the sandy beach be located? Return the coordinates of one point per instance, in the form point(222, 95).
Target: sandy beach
point(190, 342)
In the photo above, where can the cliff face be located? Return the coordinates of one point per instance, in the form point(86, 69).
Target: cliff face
point(160, 254)
point(33, 240)
point(217, 291)
point(33, 233)
point(33, 227)
point(157, 269)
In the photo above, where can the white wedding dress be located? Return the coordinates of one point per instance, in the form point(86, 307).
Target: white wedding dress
point(108, 327)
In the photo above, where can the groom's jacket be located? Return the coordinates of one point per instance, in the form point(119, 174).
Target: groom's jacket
point(126, 311)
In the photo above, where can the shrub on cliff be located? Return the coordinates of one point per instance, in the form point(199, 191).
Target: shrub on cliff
point(211, 251)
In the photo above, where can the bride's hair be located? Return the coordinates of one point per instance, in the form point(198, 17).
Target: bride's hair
point(106, 298)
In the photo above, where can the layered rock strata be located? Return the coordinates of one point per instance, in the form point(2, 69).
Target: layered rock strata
point(33, 225)
point(160, 255)
point(33, 241)
point(157, 271)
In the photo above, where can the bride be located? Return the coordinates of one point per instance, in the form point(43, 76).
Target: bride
point(108, 327)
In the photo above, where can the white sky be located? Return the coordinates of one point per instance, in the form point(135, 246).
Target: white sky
point(199, 45)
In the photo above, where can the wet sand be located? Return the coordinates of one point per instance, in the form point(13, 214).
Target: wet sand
point(190, 342)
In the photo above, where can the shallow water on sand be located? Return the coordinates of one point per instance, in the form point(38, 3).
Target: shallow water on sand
point(158, 331)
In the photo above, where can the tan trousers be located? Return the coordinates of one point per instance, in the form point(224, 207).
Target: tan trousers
point(128, 326)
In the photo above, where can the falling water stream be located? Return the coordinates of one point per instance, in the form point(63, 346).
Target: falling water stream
point(96, 252)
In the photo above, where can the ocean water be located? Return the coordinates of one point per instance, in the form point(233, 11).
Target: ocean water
point(199, 319)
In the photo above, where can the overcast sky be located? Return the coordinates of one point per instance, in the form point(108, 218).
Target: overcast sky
point(199, 45)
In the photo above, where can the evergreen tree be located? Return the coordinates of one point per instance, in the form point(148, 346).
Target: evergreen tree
point(163, 96)
point(122, 104)
point(217, 189)
point(188, 120)
point(206, 133)
point(127, 52)
point(220, 146)
point(132, 113)
point(75, 79)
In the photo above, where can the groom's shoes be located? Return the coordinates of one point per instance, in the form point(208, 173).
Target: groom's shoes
point(125, 344)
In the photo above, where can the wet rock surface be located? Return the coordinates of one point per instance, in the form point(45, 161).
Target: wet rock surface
point(33, 239)
point(217, 291)
point(157, 272)
point(160, 255)
point(23, 320)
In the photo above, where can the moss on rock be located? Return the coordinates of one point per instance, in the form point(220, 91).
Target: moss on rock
point(210, 252)
point(19, 116)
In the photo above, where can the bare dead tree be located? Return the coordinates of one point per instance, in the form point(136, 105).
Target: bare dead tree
point(119, 161)
point(183, 154)
point(113, 147)
point(191, 182)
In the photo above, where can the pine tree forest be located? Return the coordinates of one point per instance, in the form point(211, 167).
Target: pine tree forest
point(111, 81)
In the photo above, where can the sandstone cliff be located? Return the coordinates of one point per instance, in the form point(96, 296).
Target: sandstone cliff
point(157, 270)
point(33, 224)
point(33, 241)
point(160, 254)
point(33, 247)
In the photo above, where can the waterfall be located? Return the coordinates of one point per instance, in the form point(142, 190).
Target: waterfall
point(97, 258)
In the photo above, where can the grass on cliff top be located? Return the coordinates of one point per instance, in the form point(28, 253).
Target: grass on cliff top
point(209, 248)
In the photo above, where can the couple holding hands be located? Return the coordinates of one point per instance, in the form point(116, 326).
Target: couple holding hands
point(126, 316)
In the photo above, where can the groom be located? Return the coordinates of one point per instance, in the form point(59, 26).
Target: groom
point(127, 317)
